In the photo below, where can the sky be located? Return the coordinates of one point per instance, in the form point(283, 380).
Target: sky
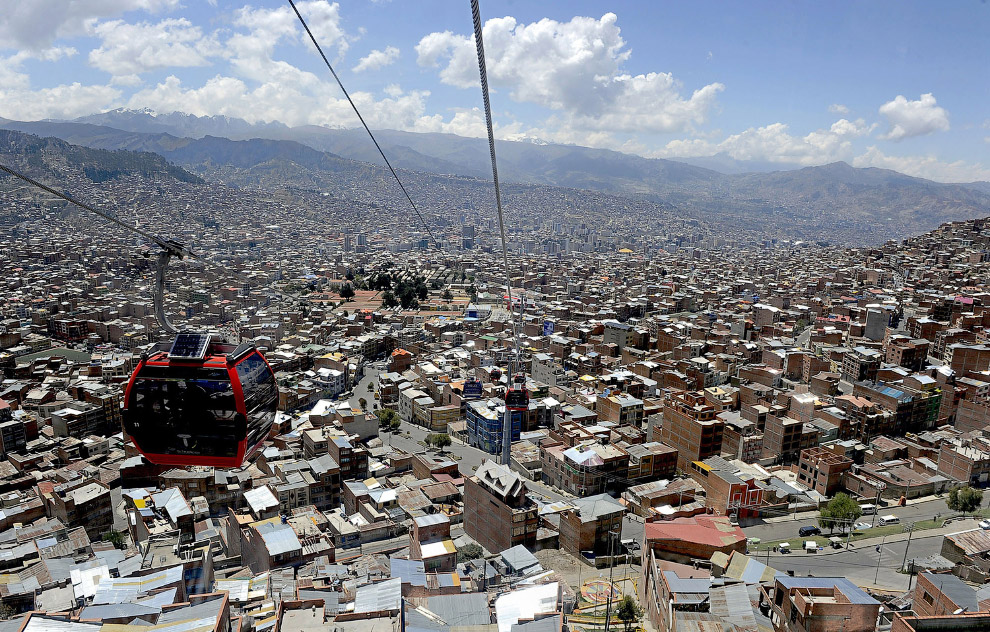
point(900, 85)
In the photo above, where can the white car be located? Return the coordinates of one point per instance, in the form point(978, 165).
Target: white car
point(861, 526)
point(984, 524)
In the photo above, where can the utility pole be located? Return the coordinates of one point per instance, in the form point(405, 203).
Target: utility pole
point(611, 586)
point(876, 578)
point(876, 504)
point(910, 529)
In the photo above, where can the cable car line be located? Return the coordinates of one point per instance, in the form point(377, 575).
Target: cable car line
point(516, 393)
point(173, 248)
point(366, 128)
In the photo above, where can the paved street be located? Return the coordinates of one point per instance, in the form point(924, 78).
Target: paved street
point(366, 388)
point(860, 562)
point(788, 528)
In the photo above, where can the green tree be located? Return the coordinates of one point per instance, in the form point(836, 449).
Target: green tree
point(364, 403)
point(447, 295)
point(438, 440)
point(347, 292)
point(115, 538)
point(841, 511)
point(389, 299)
point(628, 611)
point(964, 499)
point(469, 551)
point(388, 420)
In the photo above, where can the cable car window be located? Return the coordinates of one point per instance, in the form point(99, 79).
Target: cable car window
point(260, 397)
point(185, 411)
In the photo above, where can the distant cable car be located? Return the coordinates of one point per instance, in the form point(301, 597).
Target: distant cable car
point(201, 403)
point(517, 397)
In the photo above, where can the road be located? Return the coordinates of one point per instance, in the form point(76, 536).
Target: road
point(858, 564)
point(789, 528)
point(366, 388)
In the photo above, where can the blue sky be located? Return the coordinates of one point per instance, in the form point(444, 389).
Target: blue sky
point(900, 85)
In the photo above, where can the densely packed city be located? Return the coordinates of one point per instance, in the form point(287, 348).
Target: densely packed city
point(722, 430)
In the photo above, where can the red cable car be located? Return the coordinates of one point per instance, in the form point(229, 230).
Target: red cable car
point(201, 403)
point(517, 397)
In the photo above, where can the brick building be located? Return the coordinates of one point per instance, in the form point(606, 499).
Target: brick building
point(821, 470)
point(785, 437)
point(965, 463)
point(497, 513)
point(821, 604)
point(691, 427)
point(588, 526)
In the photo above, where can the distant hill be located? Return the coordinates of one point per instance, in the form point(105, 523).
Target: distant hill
point(98, 165)
point(835, 202)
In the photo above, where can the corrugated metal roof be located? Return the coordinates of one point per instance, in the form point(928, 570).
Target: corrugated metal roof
point(732, 604)
point(127, 589)
point(378, 597)
point(173, 503)
point(260, 499)
point(331, 598)
point(463, 609)
point(854, 593)
point(409, 571)
point(524, 604)
point(118, 611)
point(519, 558)
point(39, 623)
point(432, 519)
point(203, 610)
point(280, 540)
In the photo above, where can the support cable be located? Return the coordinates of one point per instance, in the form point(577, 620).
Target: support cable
point(480, 45)
point(366, 128)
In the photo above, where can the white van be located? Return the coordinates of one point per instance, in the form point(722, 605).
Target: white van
point(868, 509)
point(886, 520)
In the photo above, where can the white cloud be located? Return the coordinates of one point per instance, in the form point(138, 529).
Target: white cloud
point(929, 166)
point(127, 50)
point(774, 143)
point(319, 105)
point(377, 59)
point(18, 101)
point(913, 118)
point(851, 129)
point(571, 67)
point(36, 24)
point(838, 108)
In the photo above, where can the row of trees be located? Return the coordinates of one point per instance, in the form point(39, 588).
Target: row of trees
point(842, 511)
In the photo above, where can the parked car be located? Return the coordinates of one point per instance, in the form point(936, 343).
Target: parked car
point(984, 524)
point(861, 526)
point(808, 529)
point(888, 520)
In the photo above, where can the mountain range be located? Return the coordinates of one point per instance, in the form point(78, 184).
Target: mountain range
point(834, 201)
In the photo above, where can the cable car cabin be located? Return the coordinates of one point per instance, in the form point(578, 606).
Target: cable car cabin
point(201, 403)
point(517, 397)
